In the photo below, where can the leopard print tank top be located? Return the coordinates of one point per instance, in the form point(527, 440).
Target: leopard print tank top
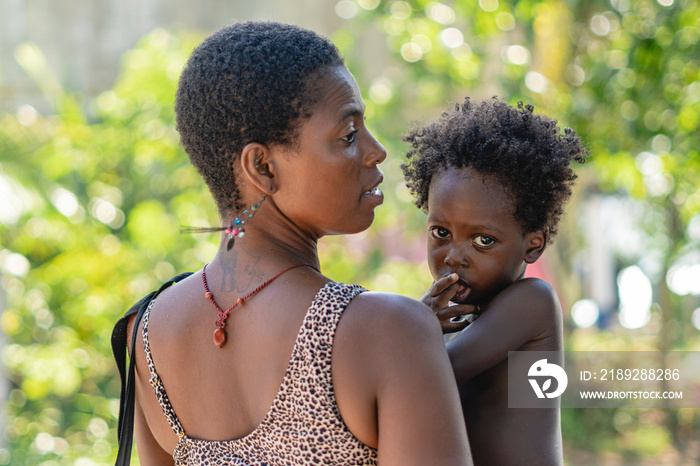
point(303, 425)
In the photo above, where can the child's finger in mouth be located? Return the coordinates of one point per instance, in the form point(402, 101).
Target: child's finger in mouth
point(462, 292)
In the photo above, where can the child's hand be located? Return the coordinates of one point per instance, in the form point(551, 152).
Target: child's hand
point(452, 318)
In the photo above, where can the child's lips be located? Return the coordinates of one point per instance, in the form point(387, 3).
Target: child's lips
point(462, 292)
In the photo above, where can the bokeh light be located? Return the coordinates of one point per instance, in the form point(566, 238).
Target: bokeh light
point(684, 279)
point(13, 263)
point(634, 290)
point(440, 13)
point(369, 4)
point(27, 115)
point(65, 202)
point(411, 52)
point(505, 21)
point(401, 10)
point(516, 55)
point(695, 318)
point(536, 82)
point(346, 9)
point(600, 25)
point(585, 313)
point(488, 5)
point(381, 90)
point(452, 37)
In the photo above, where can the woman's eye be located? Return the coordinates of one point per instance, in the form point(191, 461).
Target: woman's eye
point(439, 232)
point(484, 241)
point(350, 138)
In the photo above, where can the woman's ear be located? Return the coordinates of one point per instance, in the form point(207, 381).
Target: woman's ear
point(536, 244)
point(257, 165)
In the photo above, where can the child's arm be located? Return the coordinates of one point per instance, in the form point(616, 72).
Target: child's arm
point(438, 298)
point(525, 311)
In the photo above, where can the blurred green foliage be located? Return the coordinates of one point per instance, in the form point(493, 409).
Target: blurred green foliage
point(96, 196)
point(98, 188)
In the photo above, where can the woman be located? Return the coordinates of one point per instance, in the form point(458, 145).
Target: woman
point(273, 121)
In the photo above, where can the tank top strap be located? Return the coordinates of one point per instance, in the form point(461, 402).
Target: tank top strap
point(323, 316)
point(311, 357)
point(157, 383)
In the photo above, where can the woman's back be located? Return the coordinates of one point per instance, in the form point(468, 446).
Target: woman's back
point(302, 419)
point(249, 390)
point(221, 393)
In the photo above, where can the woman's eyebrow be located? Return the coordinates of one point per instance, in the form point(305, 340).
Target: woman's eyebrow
point(353, 112)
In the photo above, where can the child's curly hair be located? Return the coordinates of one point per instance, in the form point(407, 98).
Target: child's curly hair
point(524, 152)
point(247, 82)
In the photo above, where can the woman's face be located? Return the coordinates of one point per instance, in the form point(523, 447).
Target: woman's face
point(328, 181)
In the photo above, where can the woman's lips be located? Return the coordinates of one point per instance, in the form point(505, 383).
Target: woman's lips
point(374, 195)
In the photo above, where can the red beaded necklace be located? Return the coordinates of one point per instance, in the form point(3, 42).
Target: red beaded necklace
point(220, 334)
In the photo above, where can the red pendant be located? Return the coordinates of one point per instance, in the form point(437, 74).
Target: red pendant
point(219, 337)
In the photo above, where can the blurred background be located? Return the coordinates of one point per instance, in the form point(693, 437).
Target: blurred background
point(93, 185)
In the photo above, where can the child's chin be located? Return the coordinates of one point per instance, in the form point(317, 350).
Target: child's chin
point(467, 301)
point(471, 298)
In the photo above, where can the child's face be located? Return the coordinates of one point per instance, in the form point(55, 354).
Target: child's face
point(472, 232)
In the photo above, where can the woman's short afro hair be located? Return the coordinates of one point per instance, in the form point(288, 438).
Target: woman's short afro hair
point(248, 82)
point(524, 152)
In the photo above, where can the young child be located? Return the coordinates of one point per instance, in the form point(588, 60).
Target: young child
point(493, 179)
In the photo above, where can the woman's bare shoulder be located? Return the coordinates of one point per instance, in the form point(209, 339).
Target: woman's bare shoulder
point(389, 354)
point(380, 329)
point(391, 314)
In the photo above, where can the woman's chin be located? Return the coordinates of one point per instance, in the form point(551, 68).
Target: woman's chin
point(356, 227)
point(361, 224)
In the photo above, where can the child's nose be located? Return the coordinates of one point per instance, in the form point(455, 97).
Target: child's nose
point(457, 258)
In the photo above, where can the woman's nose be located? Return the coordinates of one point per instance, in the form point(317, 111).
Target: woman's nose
point(376, 153)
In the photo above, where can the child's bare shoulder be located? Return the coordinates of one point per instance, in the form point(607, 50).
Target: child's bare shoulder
point(534, 304)
point(532, 295)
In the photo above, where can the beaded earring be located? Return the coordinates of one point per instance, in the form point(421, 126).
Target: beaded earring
point(234, 230)
point(237, 227)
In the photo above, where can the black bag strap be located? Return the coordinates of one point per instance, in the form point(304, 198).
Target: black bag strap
point(125, 428)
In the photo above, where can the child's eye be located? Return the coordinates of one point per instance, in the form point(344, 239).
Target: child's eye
point(350, 138)
point(484, 241)
point(439, 232)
